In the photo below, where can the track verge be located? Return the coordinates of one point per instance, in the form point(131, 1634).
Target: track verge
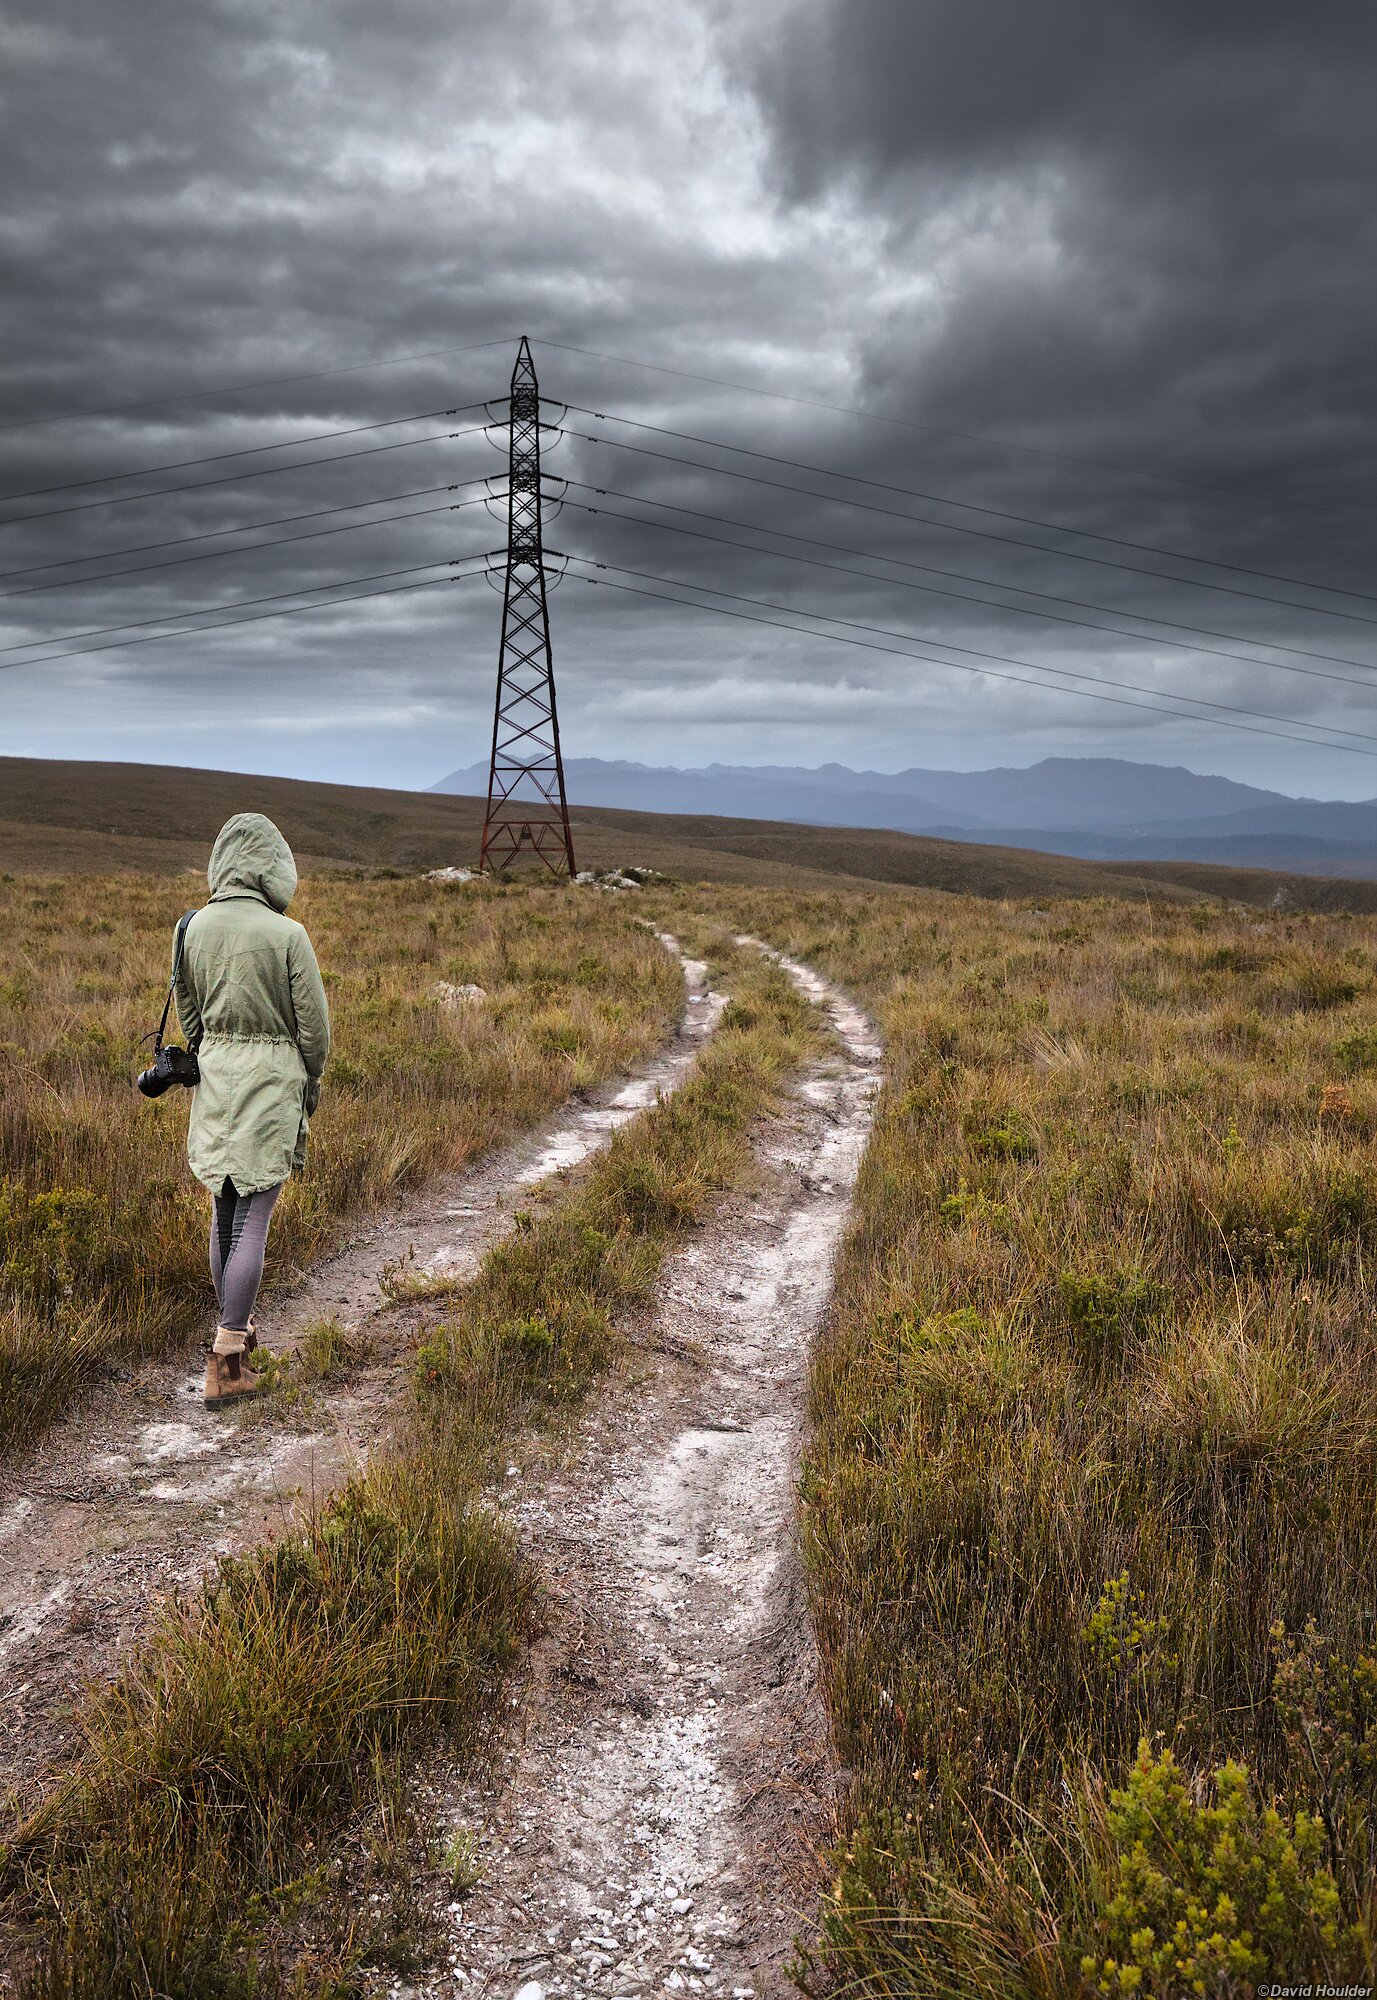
point(654, 1830)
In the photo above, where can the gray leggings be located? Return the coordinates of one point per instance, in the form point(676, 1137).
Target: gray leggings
point(238, 1239)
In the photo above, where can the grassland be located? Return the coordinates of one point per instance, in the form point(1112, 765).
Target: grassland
point(101, 1227)
point(1089, 1499)
point(64, 817)
point(194, 1849)
point(1088, 1502)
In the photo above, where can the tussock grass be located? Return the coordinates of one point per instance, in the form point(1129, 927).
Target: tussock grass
point(102, 1227)
point(246, 1724)
point(185, 1854)
point(1094, 1452)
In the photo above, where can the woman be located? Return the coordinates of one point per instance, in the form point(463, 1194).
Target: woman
point(251, 1003)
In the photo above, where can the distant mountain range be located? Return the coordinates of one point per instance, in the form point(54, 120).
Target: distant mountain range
point(1102, 808)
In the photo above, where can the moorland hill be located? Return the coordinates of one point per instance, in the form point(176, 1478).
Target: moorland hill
point(58, 816)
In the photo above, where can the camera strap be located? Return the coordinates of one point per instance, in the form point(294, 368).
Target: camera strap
point(172, 983)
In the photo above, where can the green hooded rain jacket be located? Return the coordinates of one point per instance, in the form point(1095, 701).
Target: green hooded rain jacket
point(249, 992)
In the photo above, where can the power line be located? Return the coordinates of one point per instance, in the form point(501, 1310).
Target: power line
point(843, 569)
point(1065, 673)
point(1025, 520)
point(236, 388)
point(246, 451)
point(950, 527)
point(253, 548)
point(215, 534)
point(977, 652)
point(605, 582)
point(257, 472)
point(137, 624)
point(963, 597)
point(968, 437)
point(224, 624)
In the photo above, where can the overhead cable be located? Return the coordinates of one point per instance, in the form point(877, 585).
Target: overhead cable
point(225, 624)
point(257, 472)
point(137, 624)
point(1003, 514)
point(212, 535)
point(245, 451)
point(237, 388)
point(903, 583)
point(967, 437)
point(253, 548)
point(1064, 673)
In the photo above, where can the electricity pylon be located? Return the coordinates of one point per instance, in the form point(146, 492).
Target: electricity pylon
point(526, 800)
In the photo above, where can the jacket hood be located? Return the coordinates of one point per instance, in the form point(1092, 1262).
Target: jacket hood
point(250, 857)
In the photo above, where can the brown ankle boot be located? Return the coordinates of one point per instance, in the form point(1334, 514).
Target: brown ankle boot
point(251, 1337)
point(227, 1377)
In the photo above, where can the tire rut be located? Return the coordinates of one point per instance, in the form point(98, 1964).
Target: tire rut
point(137, 1494)
point(655, 1828)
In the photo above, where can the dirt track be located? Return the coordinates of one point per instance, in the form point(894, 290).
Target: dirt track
point(138, 1494)
point(654, 1830)
point(653, 1824)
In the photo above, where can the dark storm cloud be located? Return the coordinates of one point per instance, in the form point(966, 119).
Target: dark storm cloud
point(1162, 217)
point(1135, 235)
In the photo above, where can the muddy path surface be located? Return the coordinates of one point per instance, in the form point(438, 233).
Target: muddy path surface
point(652, 1825)
point(141, 1489)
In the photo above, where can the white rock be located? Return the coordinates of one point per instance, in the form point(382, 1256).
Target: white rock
point(449, 875)
point(532, 1990)
point(682, 1905)
point(459, 996)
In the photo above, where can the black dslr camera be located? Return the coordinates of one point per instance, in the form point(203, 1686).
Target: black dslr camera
point(170, 1064)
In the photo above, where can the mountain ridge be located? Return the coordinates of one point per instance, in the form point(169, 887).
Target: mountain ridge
point(1095, 807)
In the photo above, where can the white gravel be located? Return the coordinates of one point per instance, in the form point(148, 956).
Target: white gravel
point(626, 1849)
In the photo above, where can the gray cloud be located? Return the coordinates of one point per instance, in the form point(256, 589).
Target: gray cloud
point(1134, 235)
point(1148, 230)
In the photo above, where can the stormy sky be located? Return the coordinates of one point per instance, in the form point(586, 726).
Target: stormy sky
point(1049, 328)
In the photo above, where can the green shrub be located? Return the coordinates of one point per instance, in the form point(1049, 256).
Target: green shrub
point(1007, 1140)
point(1122, 1636)
point(1327, 1704)
point(973, 1207)
point(1200, 1898)
point(1106, 1312)
point(46, 1243)
point(1357, 1052)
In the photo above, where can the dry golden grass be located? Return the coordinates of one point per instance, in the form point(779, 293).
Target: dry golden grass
point(185, 1855)
point(1089, 1496)
point(1094, 1451)
point(102, 1228)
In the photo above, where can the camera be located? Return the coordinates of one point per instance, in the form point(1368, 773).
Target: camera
point(169, 1065)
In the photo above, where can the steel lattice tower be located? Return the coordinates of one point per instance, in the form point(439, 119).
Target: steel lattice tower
point(526, 800)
